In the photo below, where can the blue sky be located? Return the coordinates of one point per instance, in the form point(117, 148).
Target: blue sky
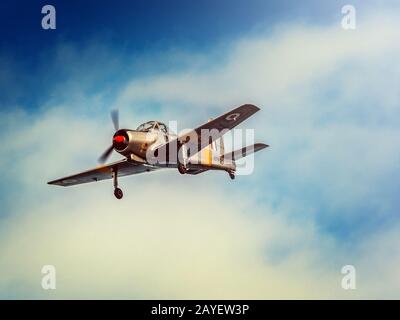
point(129, 28)
point(324, 195)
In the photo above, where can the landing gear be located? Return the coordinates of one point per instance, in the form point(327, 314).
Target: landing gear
point(117, 191)
point(181, 168)
point(231, 175)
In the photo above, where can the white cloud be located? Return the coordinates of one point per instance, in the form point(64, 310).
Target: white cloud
point(141, 248)
point(268, 69)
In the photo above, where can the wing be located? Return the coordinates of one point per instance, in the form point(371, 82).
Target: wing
point(218, 126)
point(123, 167)
point(241, 153)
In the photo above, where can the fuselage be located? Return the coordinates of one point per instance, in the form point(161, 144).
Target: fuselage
point(141, 145)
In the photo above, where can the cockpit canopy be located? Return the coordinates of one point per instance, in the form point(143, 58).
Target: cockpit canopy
point(153, 125)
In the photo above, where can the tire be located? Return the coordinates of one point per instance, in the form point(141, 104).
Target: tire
point(118, 193)
point(181, 168)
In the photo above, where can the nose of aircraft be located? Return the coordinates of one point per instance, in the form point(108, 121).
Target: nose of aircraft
point(119, 139)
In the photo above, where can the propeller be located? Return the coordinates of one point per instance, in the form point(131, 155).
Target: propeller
point(115, 120)
point(103, 158)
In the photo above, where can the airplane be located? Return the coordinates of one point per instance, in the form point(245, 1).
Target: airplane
point(152, 147)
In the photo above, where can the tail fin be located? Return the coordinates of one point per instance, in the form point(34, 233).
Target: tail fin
point(241, 153)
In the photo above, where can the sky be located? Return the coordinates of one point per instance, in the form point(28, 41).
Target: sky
point(324, 195)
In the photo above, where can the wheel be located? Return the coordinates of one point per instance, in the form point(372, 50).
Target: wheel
point(118, 193)
point(232, 176)
point(181, 168)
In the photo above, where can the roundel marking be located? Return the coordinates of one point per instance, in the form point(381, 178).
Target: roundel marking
point(232, 116)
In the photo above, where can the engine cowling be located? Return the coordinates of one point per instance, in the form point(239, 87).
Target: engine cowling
point(127, 142)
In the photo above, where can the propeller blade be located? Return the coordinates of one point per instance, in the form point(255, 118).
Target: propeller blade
point(115, 119)
point(103, 158)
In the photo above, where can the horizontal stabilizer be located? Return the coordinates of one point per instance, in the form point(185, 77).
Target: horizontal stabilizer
point(241, 153)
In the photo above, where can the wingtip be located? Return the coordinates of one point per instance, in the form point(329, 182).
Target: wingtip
point(261, 145)
point(53, 182)
point(252, 106)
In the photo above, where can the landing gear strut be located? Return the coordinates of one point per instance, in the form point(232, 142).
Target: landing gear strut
point(117, 191)
point(182, 166)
